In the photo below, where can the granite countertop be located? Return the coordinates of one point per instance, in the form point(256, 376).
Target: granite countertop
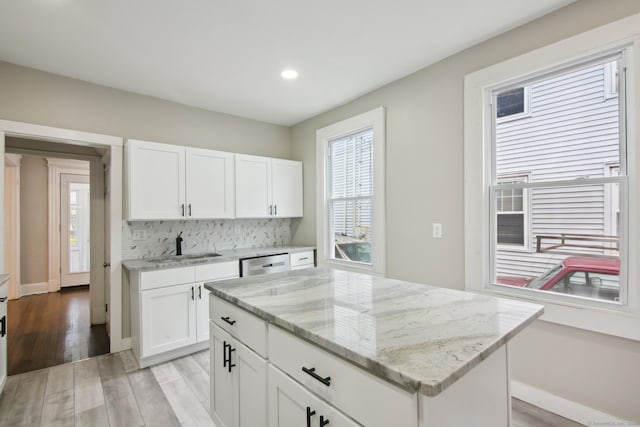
point(225, 255)
point(416, 336)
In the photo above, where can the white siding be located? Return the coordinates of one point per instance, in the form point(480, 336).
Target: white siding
point(572, 132)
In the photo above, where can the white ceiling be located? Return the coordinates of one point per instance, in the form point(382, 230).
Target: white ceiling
point(226, 55)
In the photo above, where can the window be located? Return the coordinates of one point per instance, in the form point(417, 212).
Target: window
point(581, 193)
point(350, 167)
point(512, 104)
point(350, 184)
point(567, 147)
point(511, 212)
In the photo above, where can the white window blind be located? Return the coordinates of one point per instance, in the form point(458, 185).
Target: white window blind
point(350, 195)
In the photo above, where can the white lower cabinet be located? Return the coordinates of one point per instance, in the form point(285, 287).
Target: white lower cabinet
point(169, 310)
point(291, 405)
point(168, 319)
point(238, 382)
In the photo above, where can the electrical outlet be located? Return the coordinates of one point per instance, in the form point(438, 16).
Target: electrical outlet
point(139, 234)
point(436, 228)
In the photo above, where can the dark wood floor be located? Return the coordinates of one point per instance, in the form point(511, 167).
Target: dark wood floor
point(51, 329)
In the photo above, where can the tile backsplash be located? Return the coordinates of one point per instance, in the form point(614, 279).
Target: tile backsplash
point(201, 236)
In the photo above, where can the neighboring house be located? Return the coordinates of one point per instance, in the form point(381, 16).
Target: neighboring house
point(560, 128)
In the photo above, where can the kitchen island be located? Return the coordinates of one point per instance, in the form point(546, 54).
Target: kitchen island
point(326, 344)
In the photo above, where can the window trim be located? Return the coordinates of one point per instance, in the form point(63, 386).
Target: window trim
point(374, 119)
point(616, 36)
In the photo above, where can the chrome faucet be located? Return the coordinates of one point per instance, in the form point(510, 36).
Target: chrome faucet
point(179, 240)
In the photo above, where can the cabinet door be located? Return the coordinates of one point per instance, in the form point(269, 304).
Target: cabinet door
point(253, 186)
point(287, 187)
point(238, 382)
point(3, 343)
point(291, 405)
point(155, 180)
point(209, 187)
point(223, 398)
point(168, 318)
point(202, 311)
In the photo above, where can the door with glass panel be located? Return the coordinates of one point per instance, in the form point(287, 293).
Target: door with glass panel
point(74, 230)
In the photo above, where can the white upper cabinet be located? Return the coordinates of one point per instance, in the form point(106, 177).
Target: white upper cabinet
point(156, 180)
point(175, 182)
point(267, 187)
point(209, 176)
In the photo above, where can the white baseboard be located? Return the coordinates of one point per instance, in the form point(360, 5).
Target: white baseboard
point(126, 343)
point(566, 408)
point(34, 288)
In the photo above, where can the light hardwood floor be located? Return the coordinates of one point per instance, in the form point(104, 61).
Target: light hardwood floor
point(110, 390)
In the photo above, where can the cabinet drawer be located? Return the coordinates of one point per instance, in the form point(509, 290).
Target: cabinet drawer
point(301, 259)
point(247, 328)
point(217, 271)
point(166, 277)
point(383, 404)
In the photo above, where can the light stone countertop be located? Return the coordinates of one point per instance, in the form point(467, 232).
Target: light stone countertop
point(225, 255)
point(416, 336)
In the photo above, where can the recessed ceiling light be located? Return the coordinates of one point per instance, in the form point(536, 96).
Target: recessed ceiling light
point(289, 74)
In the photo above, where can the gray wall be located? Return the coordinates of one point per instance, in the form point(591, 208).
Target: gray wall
point(36, 97)
point(424, 167)
point(34, 253)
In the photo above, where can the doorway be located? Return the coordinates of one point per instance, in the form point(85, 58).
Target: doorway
point(105, 261)
point(51, 315)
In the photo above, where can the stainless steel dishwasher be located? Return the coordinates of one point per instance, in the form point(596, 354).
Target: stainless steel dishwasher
point(260, 265)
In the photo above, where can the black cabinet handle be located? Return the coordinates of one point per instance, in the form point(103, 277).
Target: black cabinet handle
point(189, 209)
point(3, 326)
point(275, 209)
point(200, 291)
point(224, 354)
point(192, 294)
point(312, 371)
point(310, 414)
point(228, 320)
point(323, 421)
point(183, 209)
point(231, 365)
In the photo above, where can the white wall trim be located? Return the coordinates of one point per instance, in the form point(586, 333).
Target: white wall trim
point(126, 344)
point(566, 408)
point(113, 146)
point(57, 167)
point(12, 223)
point(33, 288)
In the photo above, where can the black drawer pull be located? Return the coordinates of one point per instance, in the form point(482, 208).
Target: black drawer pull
point(310, 414)
point(3, 326)
point(312, 371)
point(323, 421)
point(228, 320)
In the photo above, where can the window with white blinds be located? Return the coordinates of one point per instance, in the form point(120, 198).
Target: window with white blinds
point(350, 199)
point(350, 196)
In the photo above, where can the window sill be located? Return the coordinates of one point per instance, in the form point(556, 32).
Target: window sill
point(618, 321)
point(347, 265)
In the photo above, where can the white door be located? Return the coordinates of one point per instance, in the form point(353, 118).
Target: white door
point(107, 243)
point(156, 180)
point(168, 318)
point(253, 186)
point(75, 235)
point(210, 189)
point(287, 188)
point(292, 405)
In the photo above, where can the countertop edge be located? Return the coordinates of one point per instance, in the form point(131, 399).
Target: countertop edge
point(226, 255)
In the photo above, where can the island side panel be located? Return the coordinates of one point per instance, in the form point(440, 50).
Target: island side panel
point(481, 398)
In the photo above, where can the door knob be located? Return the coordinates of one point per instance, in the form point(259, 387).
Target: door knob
point(106, 264)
